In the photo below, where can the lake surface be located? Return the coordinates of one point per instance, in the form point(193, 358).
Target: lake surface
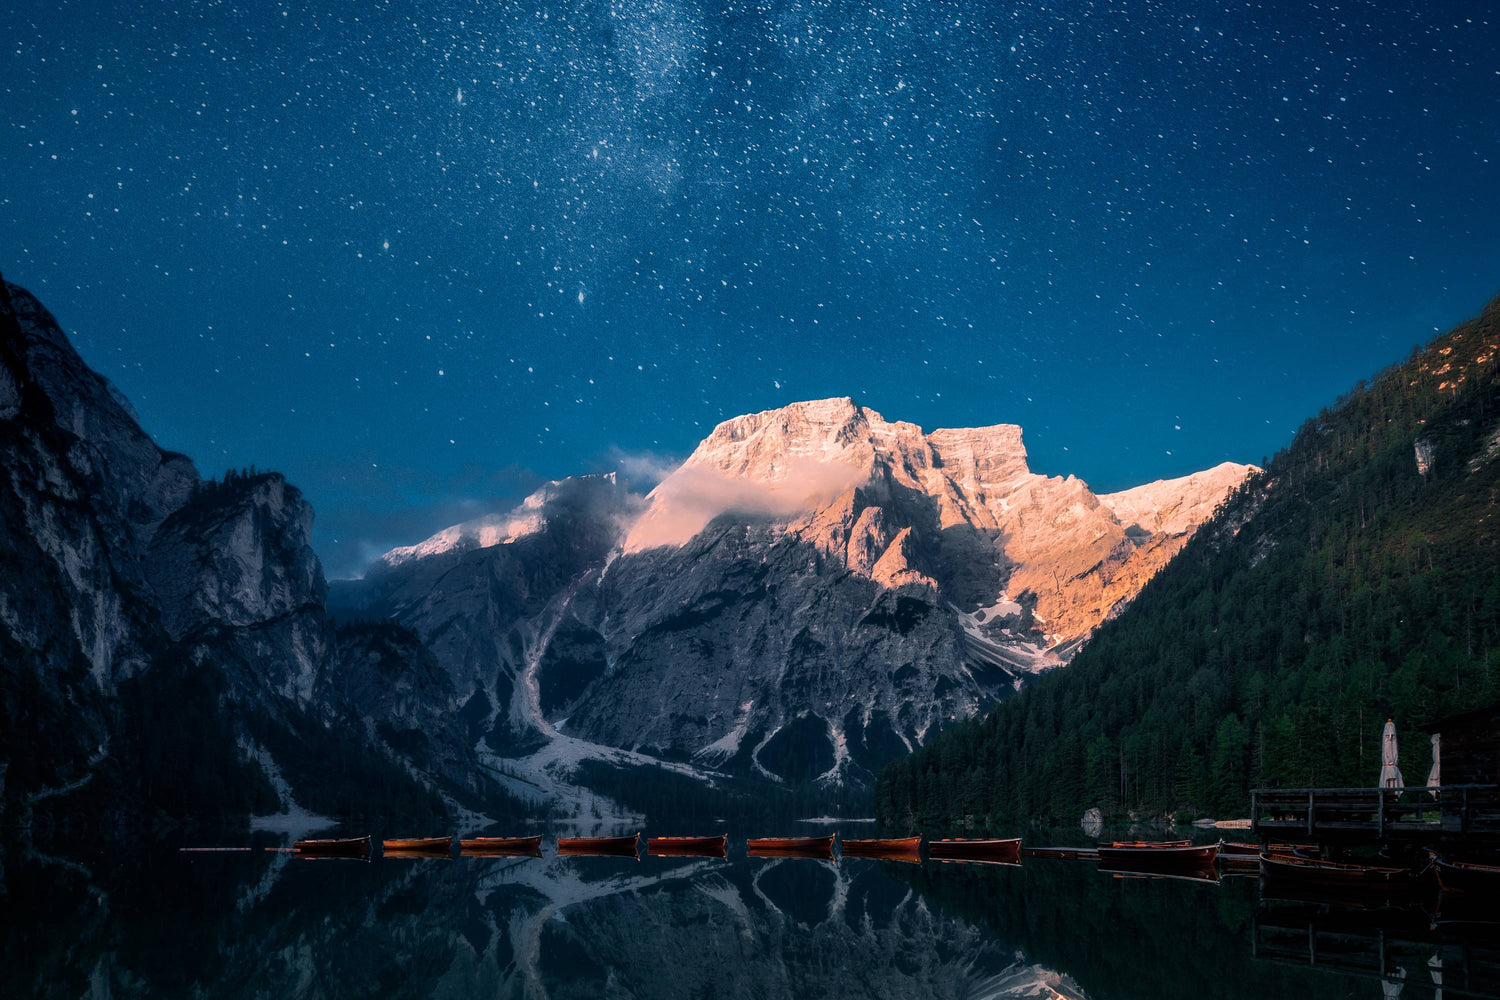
point(135, 923)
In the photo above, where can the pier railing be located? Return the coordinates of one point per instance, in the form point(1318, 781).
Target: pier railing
point(1414, 813)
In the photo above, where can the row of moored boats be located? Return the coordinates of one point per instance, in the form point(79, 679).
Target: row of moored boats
point(1305, 865)
point(1297, 865)
point(900, 849)
point(1292, 863)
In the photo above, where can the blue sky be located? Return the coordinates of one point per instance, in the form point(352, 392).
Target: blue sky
point(420, 259)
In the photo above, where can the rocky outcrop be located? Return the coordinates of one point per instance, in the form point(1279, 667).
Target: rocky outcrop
point(145, 611)
point(234, 572)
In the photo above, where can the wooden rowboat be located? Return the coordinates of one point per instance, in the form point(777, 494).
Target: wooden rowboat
point(696, 846)
point(1244, 859)
point(975, 849)
point(1155, 857)
point(606, 846)
point(908, 849)
point(1149, 843)
point(1327, 874)
point(505, 846)
point(346, 847)
point(1465, 876)
point(802, 847)
point(1231, 851)
point(418, 845)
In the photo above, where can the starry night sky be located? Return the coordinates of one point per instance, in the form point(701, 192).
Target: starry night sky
point(418, 256)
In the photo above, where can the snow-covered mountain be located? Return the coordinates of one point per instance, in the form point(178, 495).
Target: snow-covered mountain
point(814, 591)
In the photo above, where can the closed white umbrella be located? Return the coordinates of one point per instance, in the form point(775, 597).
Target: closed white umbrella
point(1390, 774)
point(1434, 777)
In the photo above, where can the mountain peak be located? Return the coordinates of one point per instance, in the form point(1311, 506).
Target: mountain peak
point(766, 444)
point(504, 527)
point(773, 445)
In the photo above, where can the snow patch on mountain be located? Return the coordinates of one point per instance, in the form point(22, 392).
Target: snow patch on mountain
point(483, 532)
point(728, 745)
point(1177, 506)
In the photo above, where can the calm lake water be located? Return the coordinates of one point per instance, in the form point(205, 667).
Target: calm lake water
point(159, 923)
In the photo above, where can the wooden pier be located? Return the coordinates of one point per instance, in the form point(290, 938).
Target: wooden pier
point(1449, 816)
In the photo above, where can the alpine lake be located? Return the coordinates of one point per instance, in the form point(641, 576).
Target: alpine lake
point(158, 921)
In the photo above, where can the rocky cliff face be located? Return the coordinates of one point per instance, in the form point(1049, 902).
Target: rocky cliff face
point(233, 571)
point(958, 508)
point(143, 608)
point(491, 613)
point(813, 592)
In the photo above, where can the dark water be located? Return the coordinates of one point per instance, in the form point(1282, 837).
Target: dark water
point(135, 923)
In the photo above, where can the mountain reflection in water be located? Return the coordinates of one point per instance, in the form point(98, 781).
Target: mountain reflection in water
point(135, 924)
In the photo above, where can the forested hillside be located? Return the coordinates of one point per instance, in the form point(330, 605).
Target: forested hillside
point(1357, 578)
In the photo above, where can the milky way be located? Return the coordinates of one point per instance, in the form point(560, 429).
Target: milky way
point(419, 256)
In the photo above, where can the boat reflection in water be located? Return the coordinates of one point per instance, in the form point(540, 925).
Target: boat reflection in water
point(350, 848)
point(906, 849)
point(976, 850)
point(1203, 876)
point(490, 926)
point(502, 846)
point(790, 847)
point(418, 847)
point(617, 847)
point(261, 923)
point(705, 847)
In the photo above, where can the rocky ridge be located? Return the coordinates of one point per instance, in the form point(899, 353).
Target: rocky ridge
point(166, 645)
point(814, 591)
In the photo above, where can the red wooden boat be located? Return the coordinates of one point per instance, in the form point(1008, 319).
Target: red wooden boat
point(610, 846)
point(418, 845)
point(807, 847)
point(1231, 849)
point(1237, 855)
point(1466, 877)
point(1149, 843)
point(503, 846)
point(345, 847)
point(985, 850)
point(902, 849)
point(1328, 874)
point(1155, 857)
point(697, 846)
